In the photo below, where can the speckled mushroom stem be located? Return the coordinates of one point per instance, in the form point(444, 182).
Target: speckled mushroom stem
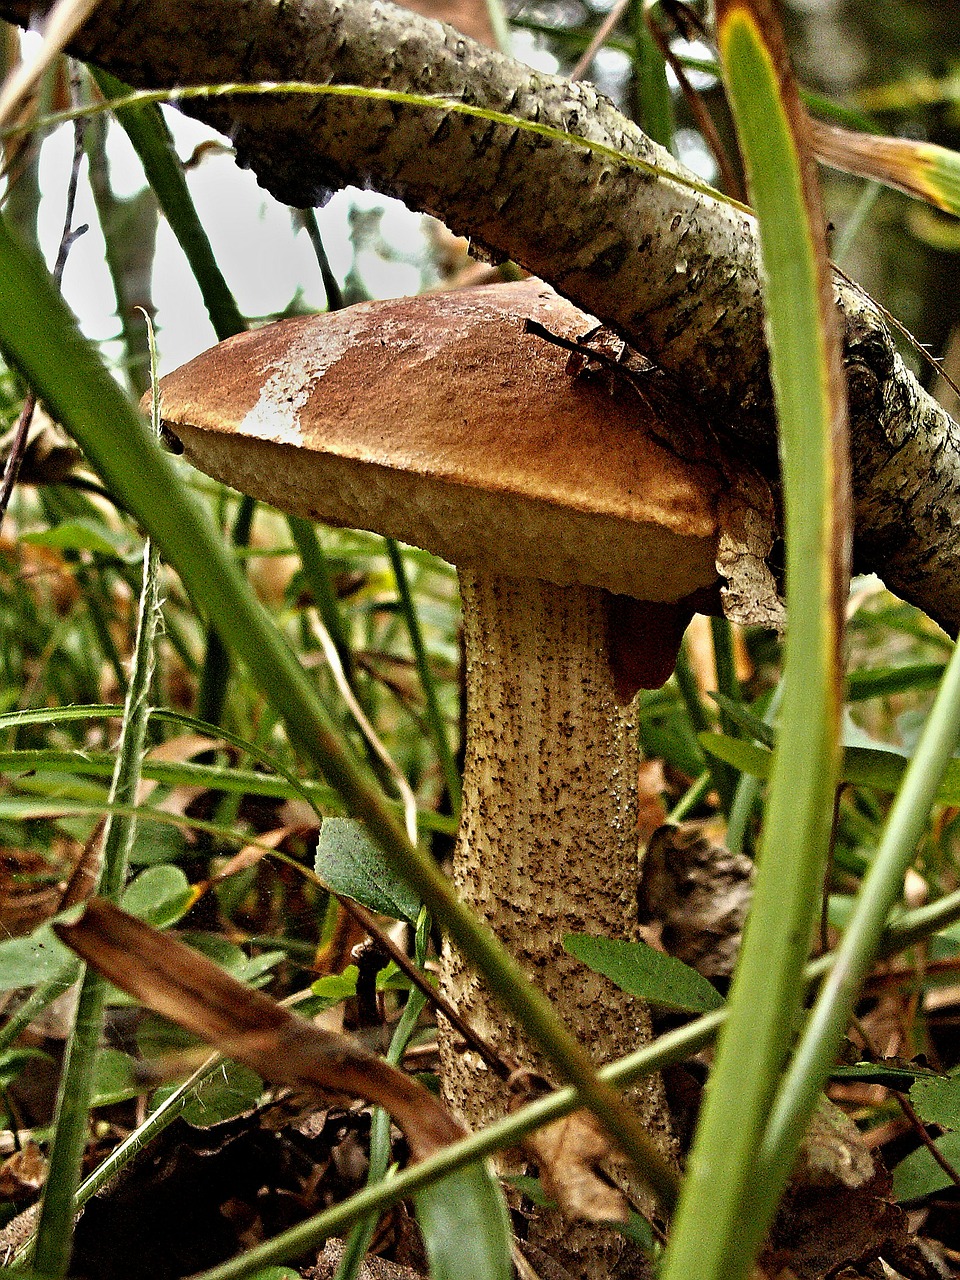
point(548, 839)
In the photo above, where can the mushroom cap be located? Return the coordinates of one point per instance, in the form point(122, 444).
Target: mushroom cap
point(438, 421)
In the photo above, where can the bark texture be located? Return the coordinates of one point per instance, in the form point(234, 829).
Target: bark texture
point(675, 271)
point(548, 843)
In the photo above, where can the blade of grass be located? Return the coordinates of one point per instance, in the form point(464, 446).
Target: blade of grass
point(651, 92)
point(724, 778)
point(438, 729)
point(881, 889)
point(54, 1238)
point(147, 130)
point(712, 1238)
point(748, 789)
point(316, 570)
point(360, 1237)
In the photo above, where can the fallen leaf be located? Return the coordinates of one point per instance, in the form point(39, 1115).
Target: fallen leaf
point(23, 1173)
point(177, 982)
point(569, 1154)
point(700, 893)
point(472, 17)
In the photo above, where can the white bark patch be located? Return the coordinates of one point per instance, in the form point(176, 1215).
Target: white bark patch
point(288, 385)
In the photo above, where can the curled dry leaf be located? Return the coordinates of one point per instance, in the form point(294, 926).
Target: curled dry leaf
point(572, 1155)
point(834, 1152)
point(371, 1268)
point(700, 893)
point(171, 979)
point(838, 1217)
point(251, 854)
point(22, 1173)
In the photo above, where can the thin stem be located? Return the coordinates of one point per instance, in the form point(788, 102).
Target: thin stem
point(435, 719)
point(362, 1233)
point(316, 571)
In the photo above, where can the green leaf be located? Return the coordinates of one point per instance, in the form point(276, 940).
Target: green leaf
point(154, 844)
point(533, 1189)
point(660, 979)
point(874, 767)
point(465, 1226)
point(81, 535)
point(350, 863)
point(14, 1061)
point(743, 755)
point(938, 1101)
point(334, 988)
point(229, 1091)
point(757, 728)
point(159, 895)
point(920, 1175)
point(115, 1078)
point(637, 1229)
point(25, 962)
point(891, 1075)
point(881, 682)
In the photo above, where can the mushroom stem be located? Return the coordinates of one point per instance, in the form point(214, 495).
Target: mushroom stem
point(548, 837)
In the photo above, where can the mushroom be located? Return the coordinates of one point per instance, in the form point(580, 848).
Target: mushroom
point(441, 422)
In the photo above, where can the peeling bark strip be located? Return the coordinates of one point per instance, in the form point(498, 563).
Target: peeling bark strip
point(674, 271)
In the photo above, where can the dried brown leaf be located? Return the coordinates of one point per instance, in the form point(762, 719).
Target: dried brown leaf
point(183, 747)
point(569, 1153)
point(834, 1151)
point(700, 893)
point(472, 17)
point(22, 1173)
point(651, 811)
point(251, 854)
point(245, 1025)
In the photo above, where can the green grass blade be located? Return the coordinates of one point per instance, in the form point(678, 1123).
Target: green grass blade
point(55, 1223)
point(882, 770)
point(713, 1239)
point(653, 101)
point(435, 720)
point(151, 139)
point(878, 894)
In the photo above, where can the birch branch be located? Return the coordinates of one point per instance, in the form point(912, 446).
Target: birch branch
point(672, 269)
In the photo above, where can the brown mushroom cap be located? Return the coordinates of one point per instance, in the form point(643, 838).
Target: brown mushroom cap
point(437, 420)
